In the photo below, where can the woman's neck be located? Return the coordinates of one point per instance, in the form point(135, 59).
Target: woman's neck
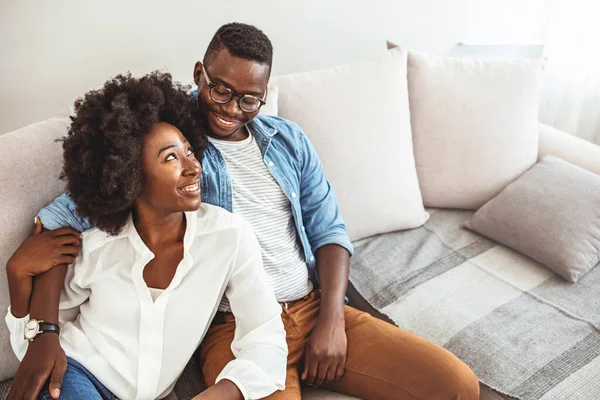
point(158, 228)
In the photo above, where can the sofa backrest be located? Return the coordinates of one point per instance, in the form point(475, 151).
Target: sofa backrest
point(31, 161)
point(568, 147)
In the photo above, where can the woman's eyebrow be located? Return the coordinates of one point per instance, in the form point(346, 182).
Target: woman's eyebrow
point(170, 147)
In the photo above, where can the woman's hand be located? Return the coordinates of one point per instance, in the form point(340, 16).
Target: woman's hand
point(43, 250)
point(44, 359)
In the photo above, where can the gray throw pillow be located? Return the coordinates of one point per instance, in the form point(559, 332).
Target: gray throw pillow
point(551, 214)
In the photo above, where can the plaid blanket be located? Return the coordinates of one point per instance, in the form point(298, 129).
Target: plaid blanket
point(525, 332)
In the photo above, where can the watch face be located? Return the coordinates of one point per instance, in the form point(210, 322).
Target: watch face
point(31, 329)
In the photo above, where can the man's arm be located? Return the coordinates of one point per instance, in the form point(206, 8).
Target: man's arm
point(47, 287)
point(325, 358)
point(333, 268)
point(326, 350)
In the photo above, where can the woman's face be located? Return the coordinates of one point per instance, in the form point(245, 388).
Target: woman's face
point(171, 171)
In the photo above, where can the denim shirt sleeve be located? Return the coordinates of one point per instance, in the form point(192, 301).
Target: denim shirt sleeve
point(62, 212)
point(320, 210)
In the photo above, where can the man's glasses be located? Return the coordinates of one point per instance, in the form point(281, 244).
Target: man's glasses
point(222, 95)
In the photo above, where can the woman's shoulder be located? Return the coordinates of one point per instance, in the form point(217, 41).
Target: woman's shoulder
point(94, 239)
point(214, 218)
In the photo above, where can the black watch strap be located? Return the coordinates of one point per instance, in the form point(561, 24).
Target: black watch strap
point(49, 327)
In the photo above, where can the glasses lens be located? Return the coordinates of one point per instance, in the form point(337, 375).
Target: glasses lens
point(249, 104)
point(220, 94)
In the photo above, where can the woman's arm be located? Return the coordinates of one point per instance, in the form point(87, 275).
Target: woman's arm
point(224, 389)
point(259, 344)
point(44, 358)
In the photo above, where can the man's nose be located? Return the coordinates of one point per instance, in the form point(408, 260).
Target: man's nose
point(231, 108)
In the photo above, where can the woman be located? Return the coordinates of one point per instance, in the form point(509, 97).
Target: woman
point(149, 277)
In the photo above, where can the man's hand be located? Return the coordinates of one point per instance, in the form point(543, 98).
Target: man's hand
point(44, 249)
point(44, 359)
point(325, 355)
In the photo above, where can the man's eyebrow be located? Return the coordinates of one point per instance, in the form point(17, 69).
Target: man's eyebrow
point(229, 86)
point(170, 147)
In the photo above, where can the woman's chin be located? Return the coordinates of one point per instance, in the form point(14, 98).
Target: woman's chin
point(193, 205)
point(189, 205)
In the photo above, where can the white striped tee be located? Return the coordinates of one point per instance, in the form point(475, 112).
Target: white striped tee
point(259, 199)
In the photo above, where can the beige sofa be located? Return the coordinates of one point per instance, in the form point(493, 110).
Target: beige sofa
point(31, 161)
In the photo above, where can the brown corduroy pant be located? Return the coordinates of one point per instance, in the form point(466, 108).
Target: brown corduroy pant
point(383, 361)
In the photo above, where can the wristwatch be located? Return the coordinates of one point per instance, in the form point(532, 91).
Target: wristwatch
point(34, 327)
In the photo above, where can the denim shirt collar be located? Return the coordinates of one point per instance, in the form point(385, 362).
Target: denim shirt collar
point(262, 133)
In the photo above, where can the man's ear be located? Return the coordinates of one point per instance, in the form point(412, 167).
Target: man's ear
point(197, 73)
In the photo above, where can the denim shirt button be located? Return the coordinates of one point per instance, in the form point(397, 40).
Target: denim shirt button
point(312, 258)
point(303, 228)
point(294, 194)
point(271, 163)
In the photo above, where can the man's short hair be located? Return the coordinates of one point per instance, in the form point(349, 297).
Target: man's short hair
point(243, 41)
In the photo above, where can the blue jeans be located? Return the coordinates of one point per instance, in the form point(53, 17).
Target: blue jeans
point(79, 384)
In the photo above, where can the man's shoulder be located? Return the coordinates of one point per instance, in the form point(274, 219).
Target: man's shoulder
point(272, 124)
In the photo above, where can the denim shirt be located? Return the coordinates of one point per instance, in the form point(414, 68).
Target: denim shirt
point(294, 164)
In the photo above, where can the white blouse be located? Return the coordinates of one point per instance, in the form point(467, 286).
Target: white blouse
point(138, 347)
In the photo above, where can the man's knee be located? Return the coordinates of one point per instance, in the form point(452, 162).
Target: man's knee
point(460, 383)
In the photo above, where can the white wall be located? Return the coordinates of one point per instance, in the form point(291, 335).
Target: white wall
point(53, 51)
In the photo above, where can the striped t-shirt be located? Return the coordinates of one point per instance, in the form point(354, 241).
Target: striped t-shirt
point(259, 199)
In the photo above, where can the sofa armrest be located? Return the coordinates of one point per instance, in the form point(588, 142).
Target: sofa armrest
point(568, 147)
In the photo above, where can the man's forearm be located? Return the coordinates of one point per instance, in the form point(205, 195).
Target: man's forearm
point(46, 294)
point(333, 267)
point(19, 288)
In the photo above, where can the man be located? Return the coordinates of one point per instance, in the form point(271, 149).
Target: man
point(265, 169)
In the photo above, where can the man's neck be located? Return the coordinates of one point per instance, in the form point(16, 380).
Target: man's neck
point(237, 136)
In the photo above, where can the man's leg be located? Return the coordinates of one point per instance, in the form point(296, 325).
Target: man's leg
point(215, 350)
point(215, 353)
point(78, 383)
point(385, 362)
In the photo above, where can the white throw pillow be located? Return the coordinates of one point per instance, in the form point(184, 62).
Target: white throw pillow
point(474, 125)
point(271, 107)
point(358, 119)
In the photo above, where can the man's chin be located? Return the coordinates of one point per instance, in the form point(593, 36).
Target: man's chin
point(218, 132)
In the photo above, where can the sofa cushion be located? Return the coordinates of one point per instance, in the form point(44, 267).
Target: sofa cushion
point(474, 126)
point(551, 214)
point(357, 117)
point(31, 163)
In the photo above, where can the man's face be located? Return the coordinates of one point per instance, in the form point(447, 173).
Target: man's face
point(226, 121)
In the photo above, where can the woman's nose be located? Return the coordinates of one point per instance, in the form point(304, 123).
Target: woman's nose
point(192, 167)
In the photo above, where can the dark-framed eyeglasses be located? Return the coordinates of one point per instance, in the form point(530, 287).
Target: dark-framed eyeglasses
point(222, 94)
